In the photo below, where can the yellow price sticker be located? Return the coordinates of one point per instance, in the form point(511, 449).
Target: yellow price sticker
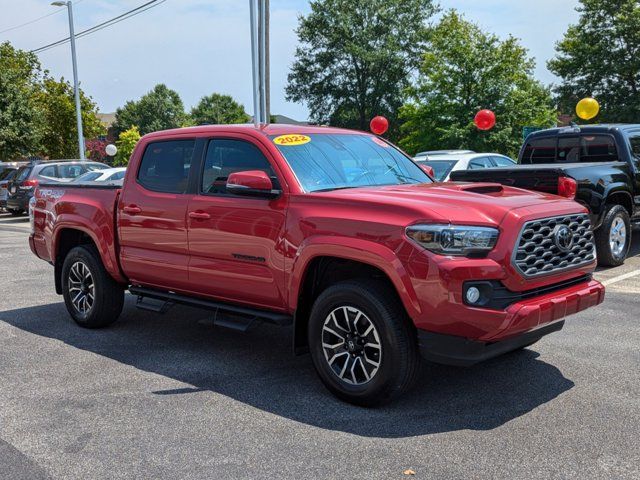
point(291, 140)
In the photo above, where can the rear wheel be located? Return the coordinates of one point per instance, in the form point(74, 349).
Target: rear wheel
point(362, 343)
point(613, 238)
point(15, 213)
point(92, 297)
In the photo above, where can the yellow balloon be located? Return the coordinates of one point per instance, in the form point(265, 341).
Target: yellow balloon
point(587, 108)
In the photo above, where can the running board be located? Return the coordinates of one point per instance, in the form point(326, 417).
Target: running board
point(238, 323)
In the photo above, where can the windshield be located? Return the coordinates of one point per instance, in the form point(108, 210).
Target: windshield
point(88, 177)
point(441, 168)
point(324, 162)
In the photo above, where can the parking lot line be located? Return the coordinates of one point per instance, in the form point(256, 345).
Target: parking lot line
point(622, 277)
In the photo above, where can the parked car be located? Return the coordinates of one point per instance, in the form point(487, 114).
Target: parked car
point(21, 187)
point(106, 175)
point(443, 165)
point(598, 165)
point(5, 176)
point(437, 153)
point(370, 270)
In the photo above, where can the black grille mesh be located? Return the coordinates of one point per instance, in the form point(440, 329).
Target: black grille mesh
point(537, 252)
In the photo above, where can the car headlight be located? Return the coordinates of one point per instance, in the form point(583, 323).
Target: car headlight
point(454, 239)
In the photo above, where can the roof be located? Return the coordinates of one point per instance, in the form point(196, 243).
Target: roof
point(270, 129)
point(457, 157)
point(595, 128)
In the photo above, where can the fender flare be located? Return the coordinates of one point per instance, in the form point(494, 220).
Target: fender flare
point(106, 249)
point(359, 250)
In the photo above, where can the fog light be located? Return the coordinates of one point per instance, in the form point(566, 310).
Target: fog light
point(473, 295)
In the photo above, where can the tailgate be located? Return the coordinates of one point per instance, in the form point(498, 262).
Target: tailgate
point(529, 177)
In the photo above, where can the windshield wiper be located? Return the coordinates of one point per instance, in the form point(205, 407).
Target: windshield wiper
point(330, 189)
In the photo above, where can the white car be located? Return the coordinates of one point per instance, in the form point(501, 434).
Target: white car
point(443, 165)
point(106, 175)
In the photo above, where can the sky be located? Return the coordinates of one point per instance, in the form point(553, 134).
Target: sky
point(198, 47)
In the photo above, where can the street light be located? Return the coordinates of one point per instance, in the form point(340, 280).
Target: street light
point(76, 88)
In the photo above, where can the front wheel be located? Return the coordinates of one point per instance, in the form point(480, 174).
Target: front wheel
point(362, 343)
point(92, 297)
point(15, 213)
point(613, 238)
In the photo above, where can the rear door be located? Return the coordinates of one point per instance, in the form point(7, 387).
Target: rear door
point(152, 216)
point(236, 241)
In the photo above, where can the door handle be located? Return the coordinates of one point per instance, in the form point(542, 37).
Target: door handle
point(199, 215)
point(131, 209)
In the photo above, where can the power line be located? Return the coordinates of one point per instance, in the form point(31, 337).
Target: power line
point(36, 19)
point(96, 28)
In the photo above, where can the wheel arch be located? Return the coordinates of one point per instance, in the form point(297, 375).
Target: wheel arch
point(67, 237)
point(317, 268)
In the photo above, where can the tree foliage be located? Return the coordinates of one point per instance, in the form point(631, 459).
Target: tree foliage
point(20, 118)
point(126, 143)
point(463, 71)
point(159, 109)
point(355, 58)
point(600, 57)
point(218, 109)
point(60, 130)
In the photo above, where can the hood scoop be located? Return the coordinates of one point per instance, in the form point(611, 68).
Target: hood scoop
point(483, 188)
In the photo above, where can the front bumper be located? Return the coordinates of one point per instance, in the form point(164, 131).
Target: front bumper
point(522, 323)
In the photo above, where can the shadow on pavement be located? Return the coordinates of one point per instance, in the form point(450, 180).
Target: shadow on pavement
point(259, 369)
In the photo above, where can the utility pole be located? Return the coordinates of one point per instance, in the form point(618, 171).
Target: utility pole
point(259, 16)
point(76, 87)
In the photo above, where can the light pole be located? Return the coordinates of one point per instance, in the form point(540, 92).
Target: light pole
point(76, 88)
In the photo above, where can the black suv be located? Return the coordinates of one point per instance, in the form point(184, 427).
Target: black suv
point(598, 164)
point(23, 184)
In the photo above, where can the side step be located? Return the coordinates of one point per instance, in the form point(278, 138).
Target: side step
point(244, 317)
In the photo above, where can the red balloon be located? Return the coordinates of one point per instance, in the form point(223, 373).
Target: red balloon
point(379, 125)
point(485, 119)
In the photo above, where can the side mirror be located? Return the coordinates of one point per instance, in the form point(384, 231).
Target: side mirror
point(251, 183)
point(428, 170)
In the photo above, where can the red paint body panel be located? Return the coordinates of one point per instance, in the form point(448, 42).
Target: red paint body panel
point(256, 251)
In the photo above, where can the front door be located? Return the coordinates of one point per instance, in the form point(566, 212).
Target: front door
point(152, 213)
point(235, 241)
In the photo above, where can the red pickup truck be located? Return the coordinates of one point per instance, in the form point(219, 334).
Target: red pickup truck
point(333, 232)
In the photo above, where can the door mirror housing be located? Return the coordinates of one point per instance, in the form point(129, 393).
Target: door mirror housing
point(251, 183)
point(428, 170)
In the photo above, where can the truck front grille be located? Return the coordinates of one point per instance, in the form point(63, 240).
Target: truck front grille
point(551, 245)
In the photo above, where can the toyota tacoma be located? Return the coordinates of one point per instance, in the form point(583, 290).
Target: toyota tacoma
point(335, 233)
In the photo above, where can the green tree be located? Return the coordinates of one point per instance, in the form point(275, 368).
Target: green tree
point(600, 57)
point(463, 71)
point(160, 109)
point(59, 130)
point(126, 143)
point(355, 58)
point(218, 109)
point(20, 118)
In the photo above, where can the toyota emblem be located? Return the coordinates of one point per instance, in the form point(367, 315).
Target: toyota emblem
point(563, 238)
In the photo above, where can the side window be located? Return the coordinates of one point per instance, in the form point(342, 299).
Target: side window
point(117, 176)
point(165, 166)
point(568, 149)
point(49, 171)
point(540, 150)
point(598, 148)
point(477, 163)
point(70, 171)
point(224, 157)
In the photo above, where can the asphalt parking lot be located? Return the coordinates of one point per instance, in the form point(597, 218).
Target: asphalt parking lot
point(173, 397)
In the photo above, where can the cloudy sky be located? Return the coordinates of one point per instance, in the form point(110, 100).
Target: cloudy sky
point(200, 46)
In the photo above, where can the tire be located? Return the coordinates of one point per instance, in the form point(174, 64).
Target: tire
point(15, 213)
point(108, 295)
point(398, 356)
point(612, 247)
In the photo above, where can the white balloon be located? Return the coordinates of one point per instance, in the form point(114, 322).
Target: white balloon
point(111, 149)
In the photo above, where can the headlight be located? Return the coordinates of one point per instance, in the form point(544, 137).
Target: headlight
point(454, 239)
